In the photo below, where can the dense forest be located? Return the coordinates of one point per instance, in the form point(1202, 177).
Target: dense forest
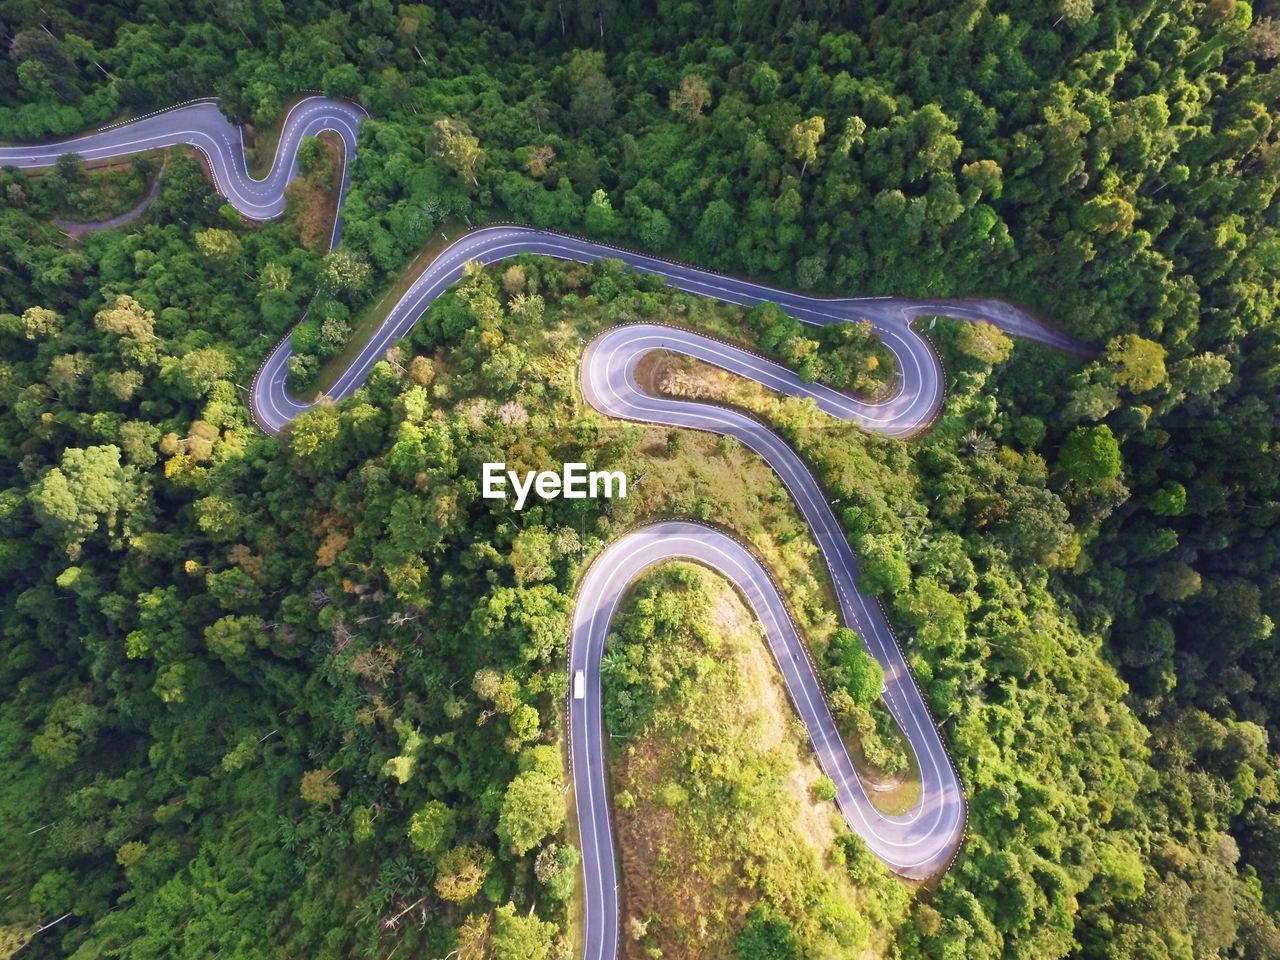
point(301, 697)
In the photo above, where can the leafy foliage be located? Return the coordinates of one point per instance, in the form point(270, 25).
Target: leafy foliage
point(1080, 557)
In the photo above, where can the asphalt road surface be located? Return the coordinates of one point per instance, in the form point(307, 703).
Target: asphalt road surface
point(918, 391)
point(202, 125)
point(917, 844)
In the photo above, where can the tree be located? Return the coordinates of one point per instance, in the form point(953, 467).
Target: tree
point(1137, 364)
point(473, 937)
point(532, 808)
point(221, 247)
point(461, 872)
point(810, 271)
point(275, 278)
point(717, 227)
point(1090, 456)
point(600, 217)
point(856, 670)
point(884, 565)
point(524, 723)
point(1264, 38)
point(68, 372)
point(345, 271)
point(39, 323)
point(311, 154)
point(400, 768)
point(422, 371)
point(1123, 870)
point(540, 160)
point(1075, 12)
point(851, 135)
point(823, 789)
point(138, 441)
point(765, 83)
point(318, 788)
point(692, 97)
point(1108, 214)
point(198, 370)
point(984, 341)
point(591, 104)
point(527, 308)
point(432, 827)
point(89, 491)
point(229, 638)
point(341, 80)
point(123, 384)
point(556, 869)
point(1203, 374)
point(804, 140)
point(127, 318)
point(986, 175)
point(531, 555)
point(314, 438)
point(72, 723)
point(457, 148)
point(518, 937)
point(768, 935)
point(1176, 581)
point(15, 936)
point(652, 227)
point(502, 690)
point(1170, 500)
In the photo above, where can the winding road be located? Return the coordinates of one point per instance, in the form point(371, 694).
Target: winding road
point(918, 844)
point(919, 390)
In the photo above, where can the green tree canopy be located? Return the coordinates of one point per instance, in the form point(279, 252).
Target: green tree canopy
point(1090, 456)
point(856, 670)
point(519, 937)
point(532, 808)
point(432, 827)
point(89, 491)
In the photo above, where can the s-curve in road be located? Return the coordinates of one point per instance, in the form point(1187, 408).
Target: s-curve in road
point(917, 844)
point(919, 388)
point(202, 125)
point(606, 584)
